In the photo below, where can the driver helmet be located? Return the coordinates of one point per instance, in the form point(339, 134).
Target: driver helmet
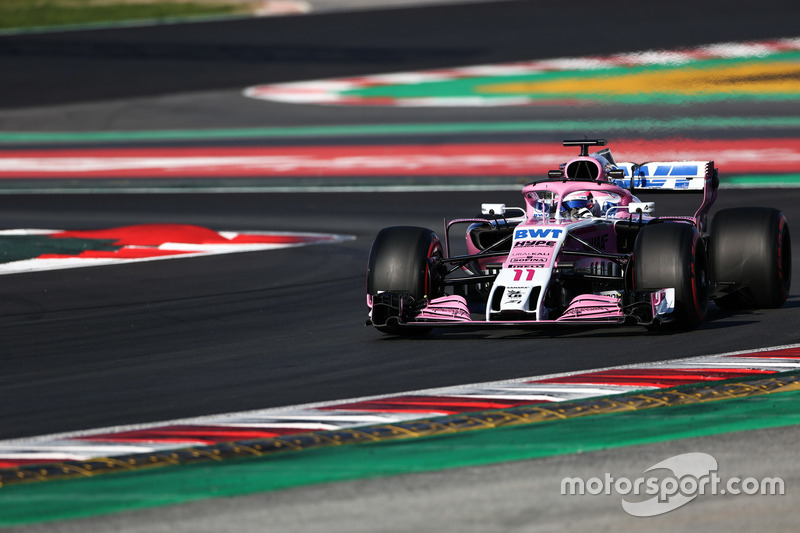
point(580, 203)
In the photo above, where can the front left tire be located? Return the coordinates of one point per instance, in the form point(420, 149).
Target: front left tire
point(672, 254)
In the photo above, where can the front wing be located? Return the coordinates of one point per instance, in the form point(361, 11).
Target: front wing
point(399, 309)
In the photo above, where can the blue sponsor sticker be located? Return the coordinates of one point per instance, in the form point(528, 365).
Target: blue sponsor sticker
point(662, 170)
point(684, 170)
point(539, 233)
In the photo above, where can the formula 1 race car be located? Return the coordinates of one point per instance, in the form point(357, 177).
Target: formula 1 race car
point(584, 250)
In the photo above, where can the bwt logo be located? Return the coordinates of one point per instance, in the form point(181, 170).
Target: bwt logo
point(537, 233)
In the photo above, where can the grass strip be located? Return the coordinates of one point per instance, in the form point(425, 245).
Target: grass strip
point(565, 126)
point(762, 180)
point(16, 14)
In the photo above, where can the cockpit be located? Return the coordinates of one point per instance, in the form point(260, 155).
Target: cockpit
point(548, 204)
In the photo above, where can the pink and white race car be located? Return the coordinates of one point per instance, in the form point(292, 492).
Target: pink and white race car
point(584, 250)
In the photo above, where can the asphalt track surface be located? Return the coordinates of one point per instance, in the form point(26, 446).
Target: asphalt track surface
point(135, 343)
point(155, 341)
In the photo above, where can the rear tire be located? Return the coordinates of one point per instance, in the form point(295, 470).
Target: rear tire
point(400, 260)
point(752, 248)
point(673, 255)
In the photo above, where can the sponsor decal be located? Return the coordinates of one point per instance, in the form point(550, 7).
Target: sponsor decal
point(530, 261)
point(535, 253)
point(578, 311)
point(538, 233)
point(655, 183)
point(514, 296)
point(535, 244)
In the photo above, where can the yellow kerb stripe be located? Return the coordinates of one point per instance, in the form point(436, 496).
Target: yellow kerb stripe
point(775, 77)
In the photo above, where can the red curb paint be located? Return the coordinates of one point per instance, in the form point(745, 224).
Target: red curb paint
point(661, 378)
point(138, 243)
point(122, 253)
point(429, 404)
point(158, 234)
point(788, 353)
point(201, 434)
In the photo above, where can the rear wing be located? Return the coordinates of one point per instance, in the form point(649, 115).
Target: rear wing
point(692, 176)
point(667, 176)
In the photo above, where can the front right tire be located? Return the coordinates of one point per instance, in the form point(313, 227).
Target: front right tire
point(402, 260)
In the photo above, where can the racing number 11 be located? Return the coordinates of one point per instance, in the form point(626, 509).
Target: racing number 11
point(518, 274)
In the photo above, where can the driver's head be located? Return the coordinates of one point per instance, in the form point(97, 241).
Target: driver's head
point(577, 200)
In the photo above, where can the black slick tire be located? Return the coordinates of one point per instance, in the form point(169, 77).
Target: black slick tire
point(400, 260)
point(672, 254)
point(751, 249)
